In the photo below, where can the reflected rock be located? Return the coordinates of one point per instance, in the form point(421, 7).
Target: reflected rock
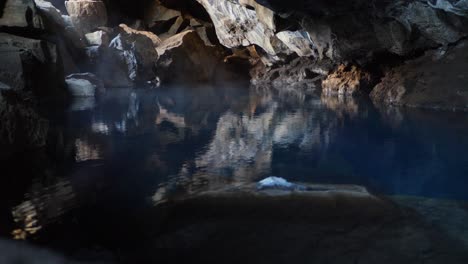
point(341, 105)
point(83, 103)
point(84, 84)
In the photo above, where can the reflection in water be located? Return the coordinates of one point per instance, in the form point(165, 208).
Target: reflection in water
point(177, 141)
point(44, 203)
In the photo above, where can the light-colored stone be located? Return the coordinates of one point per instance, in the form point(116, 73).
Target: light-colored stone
point(346, 80)
point(297, 41)
point(87, 15)
point(237, 26)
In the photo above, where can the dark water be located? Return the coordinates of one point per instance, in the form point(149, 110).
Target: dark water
point(134, 149)
point(229, 135)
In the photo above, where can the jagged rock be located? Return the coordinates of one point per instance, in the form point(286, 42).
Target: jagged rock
point(138, 52)
point(185, 56)
point(436, 80)
point(30, 65)
point(347, 80)
point(297, 74)
point(156, 14)
point(98, 38)
point(128, 30)
point(20, 14)
point(64, 34)
point(297, 41)
point(87, 15)
point(237, 25)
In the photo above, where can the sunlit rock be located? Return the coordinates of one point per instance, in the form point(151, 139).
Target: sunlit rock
point(297, 41)
point(97, 38)
point(87, 15)
point(237, 25)
point(347, 80)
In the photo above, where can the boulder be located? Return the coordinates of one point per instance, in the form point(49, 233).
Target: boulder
point(98, 38)
point(30, 65)
point(87, 15)
point(22, 14)
point(64, 34)
point(186, 57)
point(157, 14)
point(347, 80)
point(436, 80)
point(137, 52)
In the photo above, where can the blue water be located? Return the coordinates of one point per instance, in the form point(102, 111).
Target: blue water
point(154, 143)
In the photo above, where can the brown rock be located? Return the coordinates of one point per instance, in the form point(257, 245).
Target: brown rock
point(87, 15)
point(346, 80)
point(436, 80)
point(185, 56)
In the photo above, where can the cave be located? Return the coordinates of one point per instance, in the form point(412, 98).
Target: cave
point(233, 131)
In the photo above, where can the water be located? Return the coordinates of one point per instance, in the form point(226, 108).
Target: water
point(134, 149)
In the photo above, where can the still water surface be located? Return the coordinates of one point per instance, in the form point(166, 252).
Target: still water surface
point(136, 148)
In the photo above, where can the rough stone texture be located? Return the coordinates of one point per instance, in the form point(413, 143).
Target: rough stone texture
point(130, 58)
point(98, 38)
point(156, 13)
point(185, 56)
point(297, 41)
point(62, 32)
point(436, 80)
point(20, 13)
point(298, 73)
point(30, 65)
point(237, 25)
point(87, 15)
point(347, 80)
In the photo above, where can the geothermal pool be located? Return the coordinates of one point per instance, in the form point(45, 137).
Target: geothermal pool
point(130, 152)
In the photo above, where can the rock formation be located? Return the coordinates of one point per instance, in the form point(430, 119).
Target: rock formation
point(436, 80)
